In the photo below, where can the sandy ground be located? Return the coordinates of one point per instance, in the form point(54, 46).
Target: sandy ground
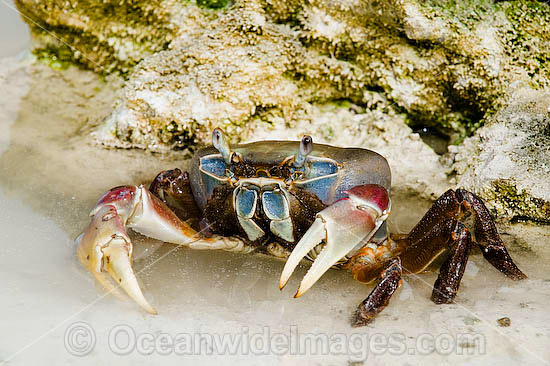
point(52, 312)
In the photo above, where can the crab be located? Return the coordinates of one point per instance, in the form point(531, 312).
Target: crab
point(296, 201)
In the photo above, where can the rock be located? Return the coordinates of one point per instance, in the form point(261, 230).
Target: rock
point(107, 36)
point(446, 66)
point(218, 78)
point(350, 73)
point(504, 322)
point(507, 162)
point(254, 57)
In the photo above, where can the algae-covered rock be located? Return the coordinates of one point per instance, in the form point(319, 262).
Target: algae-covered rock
point(105, 36)
point(507, 162)
point(445, 64)
point(221, 77)
point(348, 72)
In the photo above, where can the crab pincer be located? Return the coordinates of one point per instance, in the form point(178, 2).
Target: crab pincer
point(343, 227)
point(105, 247)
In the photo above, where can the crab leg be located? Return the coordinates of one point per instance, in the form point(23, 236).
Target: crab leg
point(379, 298)
point(457, 204)
point(343, 226)
point(487, 237)
point(451, 272)
point(105, 247)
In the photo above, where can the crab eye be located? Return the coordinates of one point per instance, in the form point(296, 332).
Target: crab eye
point(217, 137)
point(219, 141)
point(306, 147)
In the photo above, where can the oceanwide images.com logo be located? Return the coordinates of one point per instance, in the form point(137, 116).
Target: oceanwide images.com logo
point(80, 340)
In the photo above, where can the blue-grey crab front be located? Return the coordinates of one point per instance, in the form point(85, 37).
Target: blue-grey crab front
point(293, 200)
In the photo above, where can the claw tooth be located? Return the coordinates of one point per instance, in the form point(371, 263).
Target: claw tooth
point(117, 263)
point(311, 238)
point(329, 256)
point(342, 237)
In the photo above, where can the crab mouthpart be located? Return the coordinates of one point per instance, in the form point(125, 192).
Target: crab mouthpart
point(343, 227)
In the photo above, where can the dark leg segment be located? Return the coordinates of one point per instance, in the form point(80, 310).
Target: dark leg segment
point(457, 205)
point(447, 283)
point(174, 189)
point(448, 235)
point(487, 237)
point(379, 298)
point(445, 207)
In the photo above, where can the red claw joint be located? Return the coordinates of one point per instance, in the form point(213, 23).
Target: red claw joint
point(372, 196)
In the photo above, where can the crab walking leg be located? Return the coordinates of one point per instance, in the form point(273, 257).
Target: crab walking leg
point(451, 272)
point(380, 296)
point(487, 237)
point(343, 226)
point(448, 235)
point(105, 246)
point(456, 204)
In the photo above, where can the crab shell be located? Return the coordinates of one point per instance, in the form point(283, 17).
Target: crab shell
point(264, 207)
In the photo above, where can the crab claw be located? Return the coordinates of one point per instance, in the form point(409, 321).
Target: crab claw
point(344, 227)
point(104, 247)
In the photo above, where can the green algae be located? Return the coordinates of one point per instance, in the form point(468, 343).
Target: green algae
point(518, 205)
point(213, 4)
point(106, 37)
point(528, 41)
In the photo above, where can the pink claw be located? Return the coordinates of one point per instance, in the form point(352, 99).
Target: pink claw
point(105, 247)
